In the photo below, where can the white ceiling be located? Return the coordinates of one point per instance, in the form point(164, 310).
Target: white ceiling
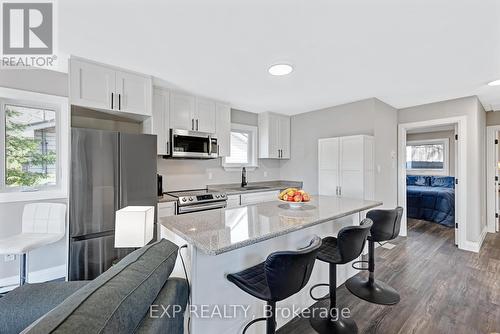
point(404, 52)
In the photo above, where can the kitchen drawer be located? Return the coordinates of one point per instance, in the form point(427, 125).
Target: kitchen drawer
point(233, 201)
point(260, 197)
point(166, 209)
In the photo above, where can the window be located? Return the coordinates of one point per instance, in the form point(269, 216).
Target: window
point(31, 146)
point(243, 147)
point(427, 157)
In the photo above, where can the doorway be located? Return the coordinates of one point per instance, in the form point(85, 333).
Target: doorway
point(430, 172)
point(492, 177)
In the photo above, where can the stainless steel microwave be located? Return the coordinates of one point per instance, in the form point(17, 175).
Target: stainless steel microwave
point(187, 144)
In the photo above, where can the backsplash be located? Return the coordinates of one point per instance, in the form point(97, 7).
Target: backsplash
point(193, 174)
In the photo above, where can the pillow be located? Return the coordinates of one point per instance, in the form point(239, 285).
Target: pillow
point(417, 180)
point(117, 300)
point(443, 181)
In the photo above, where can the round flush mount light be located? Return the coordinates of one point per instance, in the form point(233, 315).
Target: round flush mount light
point(494, 83)
point(280, 69)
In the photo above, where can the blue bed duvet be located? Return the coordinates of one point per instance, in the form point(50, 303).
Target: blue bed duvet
point(431, 198)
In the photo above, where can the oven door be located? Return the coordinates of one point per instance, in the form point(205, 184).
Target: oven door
point(200, 207)
point(193, 144)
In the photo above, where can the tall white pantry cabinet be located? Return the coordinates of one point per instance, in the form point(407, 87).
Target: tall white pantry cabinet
point(347, 167)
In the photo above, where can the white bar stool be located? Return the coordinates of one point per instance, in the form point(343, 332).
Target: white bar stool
point(42, 224)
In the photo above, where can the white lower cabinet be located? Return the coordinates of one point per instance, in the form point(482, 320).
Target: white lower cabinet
point(166, 209)
point(260, 197)
point(233, 201)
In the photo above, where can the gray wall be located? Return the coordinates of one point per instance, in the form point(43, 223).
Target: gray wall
point(368, 117)
point(438, 135)
point(476, 143)
point(47, 82)
point(192, 174)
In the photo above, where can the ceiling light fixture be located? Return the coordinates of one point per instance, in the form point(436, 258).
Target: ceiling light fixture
point(280, 69)
point(494, 83)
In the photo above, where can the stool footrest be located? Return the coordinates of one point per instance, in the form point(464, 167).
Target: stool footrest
point(317, 286)
point(362, 262)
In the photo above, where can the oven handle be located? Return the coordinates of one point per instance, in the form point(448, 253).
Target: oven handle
point(209, 145)
point(194, 208)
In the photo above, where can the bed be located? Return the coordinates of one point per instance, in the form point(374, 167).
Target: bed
point(431, 198)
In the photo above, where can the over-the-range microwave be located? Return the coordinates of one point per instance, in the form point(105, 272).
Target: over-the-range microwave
point(186, 144)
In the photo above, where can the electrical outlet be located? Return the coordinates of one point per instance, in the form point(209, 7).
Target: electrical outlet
point(9, 257)
point(210, 175)
point(265, 173)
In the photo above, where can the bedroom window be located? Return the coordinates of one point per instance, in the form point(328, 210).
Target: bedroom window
point(427, 157)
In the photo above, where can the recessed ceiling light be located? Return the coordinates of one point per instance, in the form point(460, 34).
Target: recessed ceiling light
point(494, 83)
point(280, 69)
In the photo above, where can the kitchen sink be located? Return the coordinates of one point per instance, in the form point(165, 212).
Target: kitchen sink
point(250, 188)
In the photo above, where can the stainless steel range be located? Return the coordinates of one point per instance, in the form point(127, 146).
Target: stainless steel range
point(198, 200)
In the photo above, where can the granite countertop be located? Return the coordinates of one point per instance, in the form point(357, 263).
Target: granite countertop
point(218, 231)
point(235, 188)
point(166, 198)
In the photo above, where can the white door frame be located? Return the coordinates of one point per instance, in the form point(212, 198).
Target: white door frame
point(460, 168)
point(491, 172)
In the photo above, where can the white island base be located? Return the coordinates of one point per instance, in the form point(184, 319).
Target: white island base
point(215, 300)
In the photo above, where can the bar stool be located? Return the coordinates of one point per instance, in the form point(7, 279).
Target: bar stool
point(282, 275)
point(386, 225)
point(347, 246)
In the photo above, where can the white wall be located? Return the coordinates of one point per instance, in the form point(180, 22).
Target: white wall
point(368, 117)
point(476, 169)
point(47, 82)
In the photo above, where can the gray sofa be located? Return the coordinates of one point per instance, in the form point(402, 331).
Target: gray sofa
point(121, 300)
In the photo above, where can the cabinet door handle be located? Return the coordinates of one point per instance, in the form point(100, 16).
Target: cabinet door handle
point(168, 147)
point(340, 191)
point(196, 124)
point(112, 95)
point(119, 101)
point(192, 123)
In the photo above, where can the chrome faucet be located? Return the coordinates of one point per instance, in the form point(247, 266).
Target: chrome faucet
point(243, 177)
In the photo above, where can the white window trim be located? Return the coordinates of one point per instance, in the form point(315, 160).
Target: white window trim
point(62, 124)
point(445, 171)
point(253, 164)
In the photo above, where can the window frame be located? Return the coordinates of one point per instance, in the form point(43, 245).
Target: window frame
point(57, 104)
point(431, 171)
point(253, 158)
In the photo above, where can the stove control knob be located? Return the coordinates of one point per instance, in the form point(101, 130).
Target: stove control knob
point(190, 199)
point(217, 196)
point(223, 195)
point(184, 199)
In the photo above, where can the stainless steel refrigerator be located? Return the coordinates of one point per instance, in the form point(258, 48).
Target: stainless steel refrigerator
point(109, 171)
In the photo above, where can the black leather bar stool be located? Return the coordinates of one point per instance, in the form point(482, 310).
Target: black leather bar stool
point(282, 275)
point(347, 246)
point(386, 225)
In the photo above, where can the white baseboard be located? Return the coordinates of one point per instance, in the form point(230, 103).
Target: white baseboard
point(475, 246)
point(44, 275)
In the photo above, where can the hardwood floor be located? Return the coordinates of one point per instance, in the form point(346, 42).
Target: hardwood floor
point(443, 289)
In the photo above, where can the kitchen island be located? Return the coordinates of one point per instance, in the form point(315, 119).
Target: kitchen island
point(225, 241)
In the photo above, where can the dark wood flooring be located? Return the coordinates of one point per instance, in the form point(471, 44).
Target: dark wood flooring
point(443, 289)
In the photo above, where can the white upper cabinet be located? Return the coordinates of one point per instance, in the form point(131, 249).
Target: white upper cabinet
point(161, 120)
point(182, 111)
point(205, 115)
point(134, 93)
point(346, 167)
point(107, 88)
point(274, 136)
point(91, 85)
point(223, 128)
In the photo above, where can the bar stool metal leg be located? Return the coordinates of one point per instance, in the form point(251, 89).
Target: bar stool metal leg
point(372, 290)
point(22, 273)
point(334, 323)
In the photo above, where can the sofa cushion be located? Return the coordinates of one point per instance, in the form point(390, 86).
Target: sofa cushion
point(23, 305)
point(418, 180)
point(443, 181)
point(117, 300)
point(173, 297)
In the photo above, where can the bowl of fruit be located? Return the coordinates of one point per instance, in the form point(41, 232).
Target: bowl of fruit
point(294, 197)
